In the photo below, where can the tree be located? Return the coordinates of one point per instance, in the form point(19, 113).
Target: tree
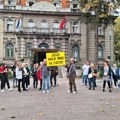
point(117, 39)
point(99, 12)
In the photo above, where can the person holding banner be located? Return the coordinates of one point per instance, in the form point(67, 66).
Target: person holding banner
point(71, 75)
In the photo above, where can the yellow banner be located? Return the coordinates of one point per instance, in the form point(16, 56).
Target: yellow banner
point(55, 59)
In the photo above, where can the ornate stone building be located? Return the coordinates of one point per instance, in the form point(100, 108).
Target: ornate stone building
point(38, 27)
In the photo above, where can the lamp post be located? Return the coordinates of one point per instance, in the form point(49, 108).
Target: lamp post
point(110, 34)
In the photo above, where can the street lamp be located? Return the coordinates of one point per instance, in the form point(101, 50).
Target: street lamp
point(110, 35)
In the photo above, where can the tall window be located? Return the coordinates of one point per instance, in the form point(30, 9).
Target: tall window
point(101, 30)
point(28, 46)
point(76, 52)
point(56, 25)
point(57, 4)
point(44, 26)
point(11, 1)
point(31, 24)
point(100, 52)
point(75, 27)
point(10, 26)
point(9, 50)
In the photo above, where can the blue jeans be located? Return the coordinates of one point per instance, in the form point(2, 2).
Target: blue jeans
point(86, 79)
point(14, 80)
point(91, 82)
point(83, 79)
point(45, 83)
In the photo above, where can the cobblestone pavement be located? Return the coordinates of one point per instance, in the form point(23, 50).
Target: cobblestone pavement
point(60, 105)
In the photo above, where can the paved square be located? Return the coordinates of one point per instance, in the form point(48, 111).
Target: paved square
point(60, 105)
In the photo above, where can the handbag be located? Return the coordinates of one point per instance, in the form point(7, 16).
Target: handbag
point(90, 75)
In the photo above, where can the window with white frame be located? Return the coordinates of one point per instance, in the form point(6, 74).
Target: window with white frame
point(31, 24)
point(56, 25)
point(9, 50)
point(44, 26)
point(101, 30)
point(10, 25)
point(57, 4)
point(76, 52)
point(28, 46)
point(100, 52)
point(75, 27)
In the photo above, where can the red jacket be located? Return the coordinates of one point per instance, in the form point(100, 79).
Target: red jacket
point(38, 74)
point(1, 69)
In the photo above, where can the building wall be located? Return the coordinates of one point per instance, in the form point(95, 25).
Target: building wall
point(1, 39)
point(85, 39)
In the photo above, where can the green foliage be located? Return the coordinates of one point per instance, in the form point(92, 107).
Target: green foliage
point(102, 10)
point(81, 74)
point(118, 65)
point(22, 60)
point(100, 73)
point(10, 75)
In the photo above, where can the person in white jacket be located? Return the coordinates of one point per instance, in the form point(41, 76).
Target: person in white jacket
point(19, 76)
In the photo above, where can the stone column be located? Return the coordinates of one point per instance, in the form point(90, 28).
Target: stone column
point(35, 45)
point(91, 44)
point(109, 37)
point(22, 47)
point(84, 43)
point(52, 44)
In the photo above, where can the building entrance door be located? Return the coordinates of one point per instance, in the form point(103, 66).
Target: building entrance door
point(41, 53)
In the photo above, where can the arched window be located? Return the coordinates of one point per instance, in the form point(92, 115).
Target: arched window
point(9, 50)
point(43, 45)
point(100, 52)
point(76, 52)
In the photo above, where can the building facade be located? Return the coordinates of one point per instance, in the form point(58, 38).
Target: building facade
point(26, 24)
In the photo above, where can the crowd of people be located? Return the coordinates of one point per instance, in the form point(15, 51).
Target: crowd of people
point(43, 76)
point(110, 74)
point(22, 72)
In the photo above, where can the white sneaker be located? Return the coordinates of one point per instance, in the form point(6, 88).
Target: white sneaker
point(2, 90)
point(48, 91)
point(75, 92)
point(69, 91)
point(28, 86)
point(115, 87)
point(10, 89)
point(43, 91)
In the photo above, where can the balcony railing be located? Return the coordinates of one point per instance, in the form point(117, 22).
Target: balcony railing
point(9, 6)
point(42, 30)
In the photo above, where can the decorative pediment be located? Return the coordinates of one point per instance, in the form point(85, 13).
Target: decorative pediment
point(43, 6)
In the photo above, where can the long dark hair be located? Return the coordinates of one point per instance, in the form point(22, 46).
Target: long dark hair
point(107, 62)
